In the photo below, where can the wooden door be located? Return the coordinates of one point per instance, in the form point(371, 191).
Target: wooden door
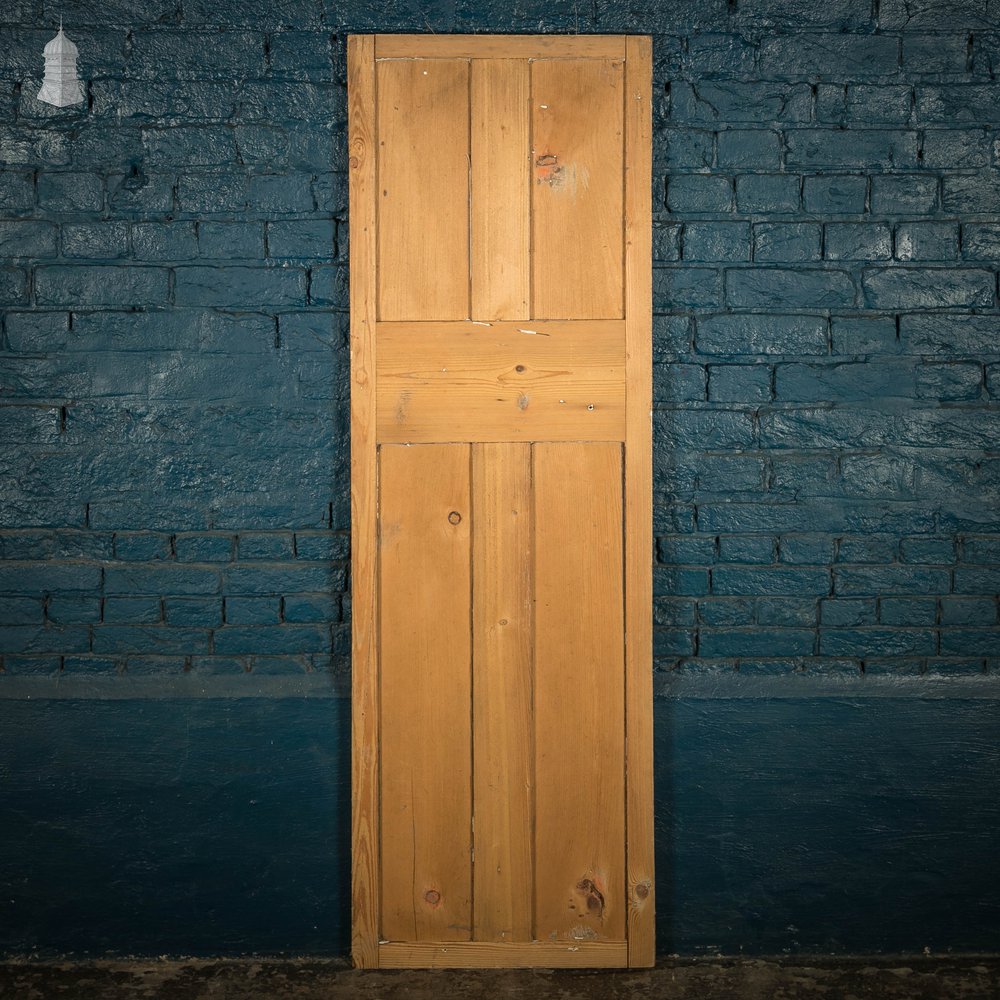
point(501, 500)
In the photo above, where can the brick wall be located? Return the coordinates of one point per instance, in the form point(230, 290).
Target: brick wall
point(827, 340)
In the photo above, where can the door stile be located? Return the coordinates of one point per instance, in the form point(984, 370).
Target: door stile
point(365, 834)
point(639, 503)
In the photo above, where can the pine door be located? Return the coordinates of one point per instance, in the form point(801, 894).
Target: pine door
point(501, 500)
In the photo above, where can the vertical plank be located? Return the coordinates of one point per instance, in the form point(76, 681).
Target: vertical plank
point(423, 189)
point(577, 163)
point(425, 642)
point(501, 266)
point(364, 675)
point(502, 690)
point(579, 693)
point(639, 503)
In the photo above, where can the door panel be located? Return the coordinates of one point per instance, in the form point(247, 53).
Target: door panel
point(501, 521)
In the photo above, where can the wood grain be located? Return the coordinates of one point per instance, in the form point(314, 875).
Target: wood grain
point(365, 891)
point(425, 645)
point(501, 263)
point(503, 744)
point(579, 693)
point(639, 505)
point(577, 163)
point(504, 382)
point(488, 954)
point(423, 189)
point(500, 46)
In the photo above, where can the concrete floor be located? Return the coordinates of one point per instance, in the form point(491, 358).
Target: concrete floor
point(310, 979)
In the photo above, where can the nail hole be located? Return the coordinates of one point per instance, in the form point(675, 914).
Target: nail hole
point(519, 368)
point(454, 517)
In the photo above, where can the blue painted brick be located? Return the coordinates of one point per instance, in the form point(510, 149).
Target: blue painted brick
point(666, 241)
point(156, 241)
point(721, 611)
point(981, 549)
point(777, 194)
point(22, 611)
point(141, 546)
point(993, 380)
point(948, 335)
point(132, 610)
point(699, 193)
point(847, 612)
point(735, 335)
point(904, 195)
point(96, 285)
point(70, 192)
point(204, 548)
point(268, 639)
point(931, 241)
point(672, 642)
point(805, 550)
point(696, 549)
point(981, 241)
point(755, 642)
point(160, 580)
point(720, 53)
point(786, 241)
point(835, 195)
point(33, 663)
point(740, 101)
point(756, 581)
point(828, 56)
point(265, 545)
point(37, 332)
point(716, 241)
point(858, 241)
point(682, 148)
point(842, 382)
point(184, 54)
point(150, 639)
point(841, 15)
point(957, 380)
point(328, 286)
point(677, 582)
point(747, 549)
point(311, 238)
point(874, 104)
point(933, 54)
point(672, 611)
point(199, 612)
point(957, 104)
point(70, 609)
point(968, 610)
point(13, 286)
point(813, 148)
point(17, 192)
point(305, 608)
point(678, 383)
point(907, 610)
point(865, 642)
point(930, 551)
point(44, 638)
point(240, 287)
point(322, 546)
point(279, 580)
point(277, 665)
point(226, 241)
point(877, 580)
point(788, 288)
point(252, 610)
point(967, 194)
point(956, 149)
point(739, 383)
point(27, 239)
point(96, 241)
point(679, 287)
point(854, 335)
point(790, 612)
point(866, 549)
point(970, 642)
point(749, 149)
point(47, 577)
point(928, 288)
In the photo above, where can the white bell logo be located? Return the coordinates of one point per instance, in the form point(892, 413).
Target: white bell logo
point(61, 85)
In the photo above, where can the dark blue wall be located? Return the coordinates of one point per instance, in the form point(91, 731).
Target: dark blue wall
point(174, 619)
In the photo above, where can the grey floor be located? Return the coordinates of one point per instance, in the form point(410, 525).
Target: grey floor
point(268, 979)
